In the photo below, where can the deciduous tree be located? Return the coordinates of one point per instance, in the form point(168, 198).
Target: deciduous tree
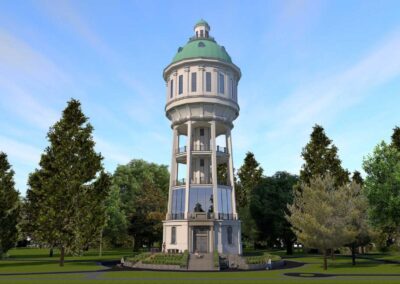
point(268, 208)
point(382, 188)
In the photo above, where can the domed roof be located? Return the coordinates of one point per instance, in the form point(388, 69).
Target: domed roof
point(202, 22)
point(202, 47)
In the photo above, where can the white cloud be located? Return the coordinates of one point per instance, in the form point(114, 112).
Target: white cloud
point(323, 100)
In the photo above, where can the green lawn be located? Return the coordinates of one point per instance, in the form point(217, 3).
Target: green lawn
point(37, 260)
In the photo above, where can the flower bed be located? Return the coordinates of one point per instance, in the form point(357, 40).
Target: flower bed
point(139, 257)
point(260, 259)
point(168, 259)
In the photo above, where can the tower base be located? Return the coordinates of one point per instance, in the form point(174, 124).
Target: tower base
point(202, 236)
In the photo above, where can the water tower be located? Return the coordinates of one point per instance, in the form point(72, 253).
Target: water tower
point(201, 83)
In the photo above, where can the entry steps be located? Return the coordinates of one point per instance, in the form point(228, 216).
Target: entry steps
point(205, 262)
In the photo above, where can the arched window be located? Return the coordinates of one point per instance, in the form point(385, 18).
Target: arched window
point(229, 233)
point(173, 235)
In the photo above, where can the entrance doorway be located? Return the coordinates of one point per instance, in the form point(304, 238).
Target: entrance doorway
point(200, 239)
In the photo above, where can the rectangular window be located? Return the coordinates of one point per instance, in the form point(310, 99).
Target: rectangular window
point(194, 82)
point(221, 83)
point(171, 87)
point(201, 162)
point(180, 82)
point(173, 235)
point(232, 89)
point(201, 131)
point(208, 81)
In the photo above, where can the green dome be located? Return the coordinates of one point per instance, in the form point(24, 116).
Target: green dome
point(204, 48)
point(202, 22)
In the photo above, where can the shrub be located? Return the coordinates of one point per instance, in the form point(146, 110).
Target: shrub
point(139, 257)
point(185, 259)
point(216, 259)
point(259, 259)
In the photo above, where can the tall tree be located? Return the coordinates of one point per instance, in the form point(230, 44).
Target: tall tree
point(382, 188)
point(396, 138)
point(321, 158)
point(320, 215)
point(116, 231)
point(250, 174)
point(9, 206)
point(143, 189)
point(268, 208)
point(357, 178)
point(358, 217)
point(68, 191)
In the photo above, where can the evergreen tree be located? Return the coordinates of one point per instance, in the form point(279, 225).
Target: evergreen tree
point(9, 206)
point(67, 193)
point(321, 215)
point(320, 157)
point(250, 174)
point(396, 138)
point(357, 178)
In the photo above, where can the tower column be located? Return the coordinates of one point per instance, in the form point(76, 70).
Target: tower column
point(214, 167)
point(188, 166)
point(231, 171)
point(174, 168)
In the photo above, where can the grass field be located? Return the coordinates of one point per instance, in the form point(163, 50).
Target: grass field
point(30, 261)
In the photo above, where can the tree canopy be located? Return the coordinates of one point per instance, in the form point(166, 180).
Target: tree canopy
point(321, 158)
point(268, 208)
point(321, 214)
point(66, 194)
point(9, 206)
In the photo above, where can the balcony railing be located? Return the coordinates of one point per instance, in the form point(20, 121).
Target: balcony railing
point(181, 150)
point(201, 180)
point(225, 216)
point(198, 148)
point(201, 147)
point(201, 215)
point(179, 182)
point(177, 216)
point(221, 149)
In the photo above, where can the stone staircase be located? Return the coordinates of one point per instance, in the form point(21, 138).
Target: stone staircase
point(206, 262)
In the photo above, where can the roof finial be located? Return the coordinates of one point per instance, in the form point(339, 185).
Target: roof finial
point(201, 29)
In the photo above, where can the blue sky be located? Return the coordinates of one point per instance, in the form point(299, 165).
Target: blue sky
point(335, 63)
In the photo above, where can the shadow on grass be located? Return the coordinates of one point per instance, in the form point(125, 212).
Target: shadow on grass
point(8, 264)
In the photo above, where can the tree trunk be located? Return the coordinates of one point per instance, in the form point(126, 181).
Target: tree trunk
point(353, 254)
point(51, 253)
point(325, 259)
point(101, 243)
point(62, 256)
point(362, 250)
point(289, 248)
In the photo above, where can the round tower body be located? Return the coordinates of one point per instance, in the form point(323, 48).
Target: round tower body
point(201, 95)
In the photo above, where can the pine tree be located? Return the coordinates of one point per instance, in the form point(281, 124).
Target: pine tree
point(250, 174)
point(321, 215)
point(67, 193)
point(320, 157)
point(357, 178)
point(396, 138)
point(9, 206)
